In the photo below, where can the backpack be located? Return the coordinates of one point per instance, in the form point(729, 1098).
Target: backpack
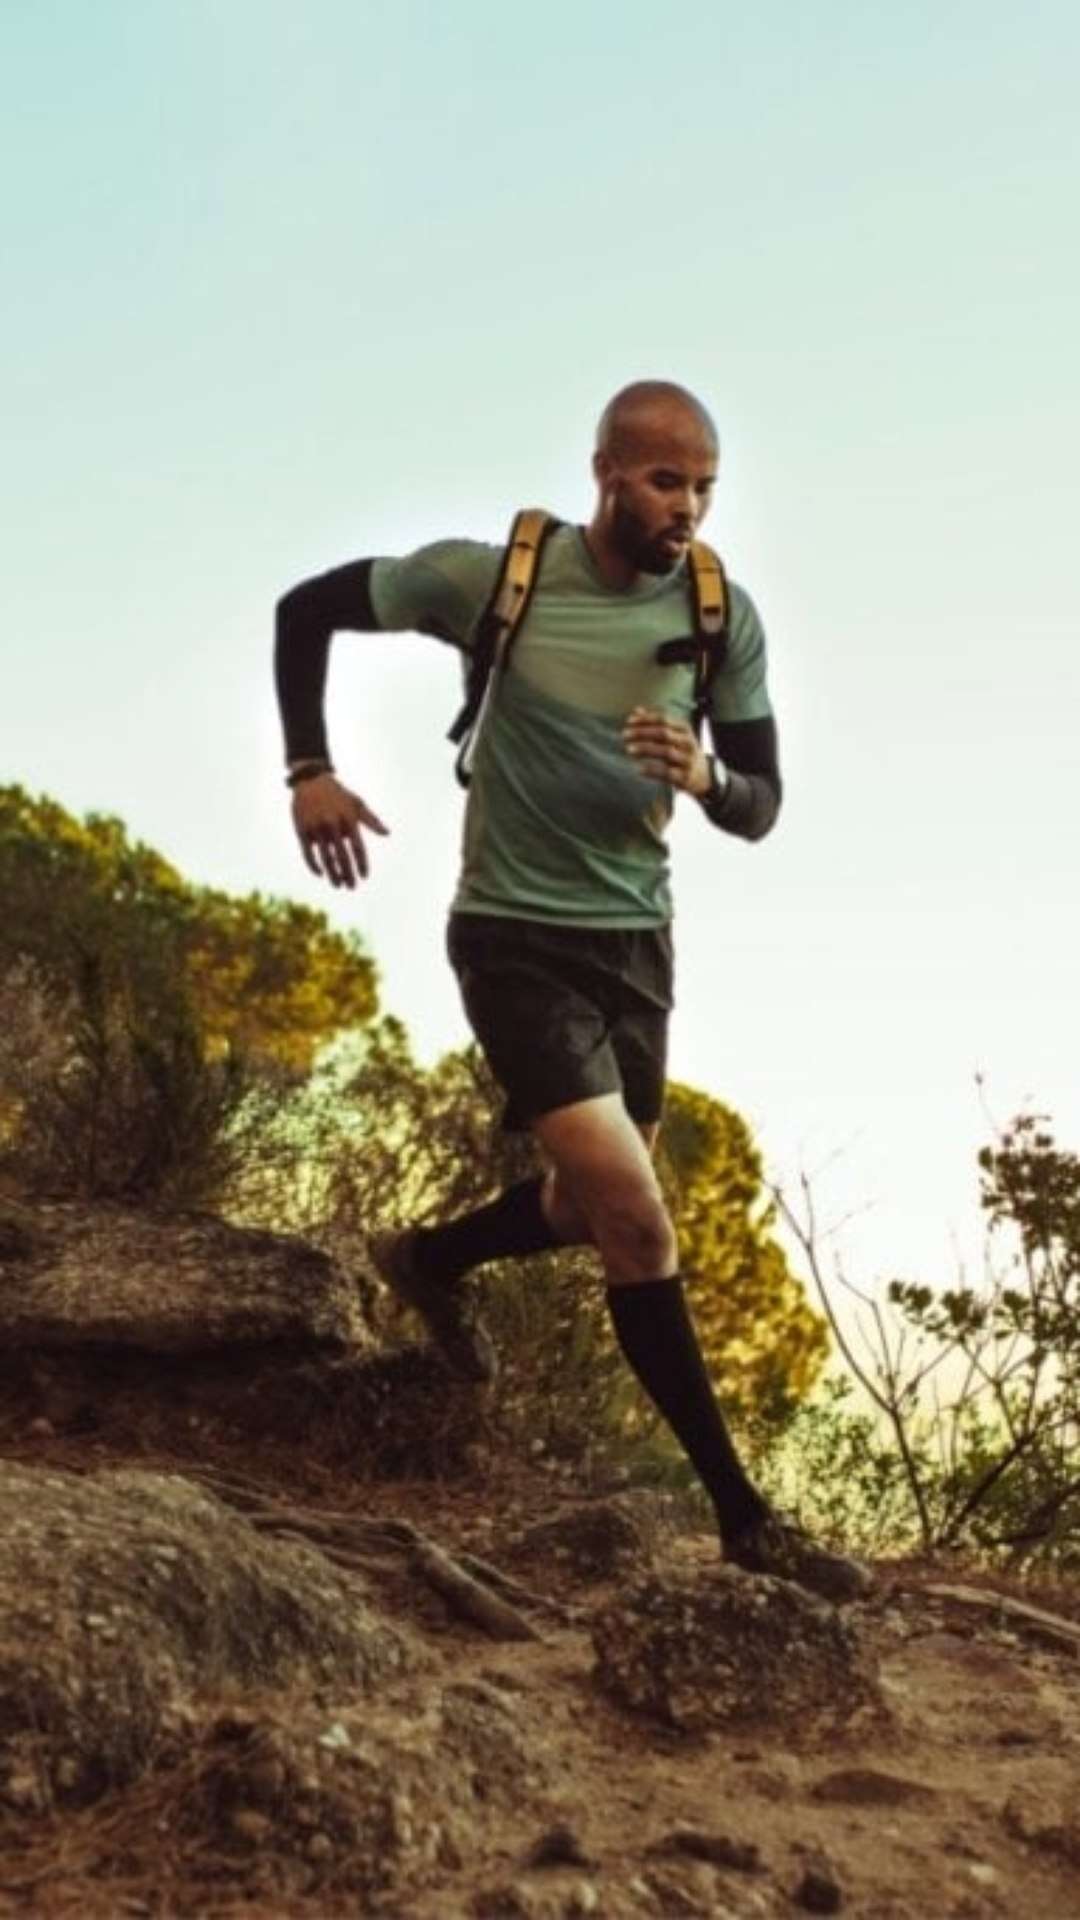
point(509, 602)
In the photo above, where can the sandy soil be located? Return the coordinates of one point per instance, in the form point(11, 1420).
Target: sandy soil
point(963, 1800)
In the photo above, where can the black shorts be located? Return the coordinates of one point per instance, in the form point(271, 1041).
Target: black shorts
point(565, 1013)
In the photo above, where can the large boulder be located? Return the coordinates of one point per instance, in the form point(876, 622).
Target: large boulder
point(74, 1274)
point(127, 1595)
point(722, 1648)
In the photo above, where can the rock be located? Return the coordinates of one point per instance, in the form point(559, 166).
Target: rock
point(582, 1899)
point(1048, 1829)
point(125, 1594)
point(594, 1541)
point(818, 1891)
point(392, 1805)
point(559, 1846)
point(1016, 1737)
point(740, 1856)
point(866, 1787)
point(24, 1790)
point(481, 1728)
point(91, 1275)
point(250, 1826)
point(506, 1902)
point(983, 1873)
point(722, 1648)
point(678, 1894)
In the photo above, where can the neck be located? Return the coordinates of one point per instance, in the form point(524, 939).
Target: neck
point(614, 568)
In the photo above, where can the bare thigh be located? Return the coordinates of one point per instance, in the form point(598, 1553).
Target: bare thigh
point(602, 1187)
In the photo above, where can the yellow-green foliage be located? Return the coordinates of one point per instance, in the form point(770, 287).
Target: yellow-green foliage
point(263, 976)
point(759, 1333)
point(137, 1010)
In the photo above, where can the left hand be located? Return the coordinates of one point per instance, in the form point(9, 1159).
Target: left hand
point(665, 749)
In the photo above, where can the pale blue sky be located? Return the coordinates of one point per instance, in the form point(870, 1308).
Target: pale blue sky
point(289, 283)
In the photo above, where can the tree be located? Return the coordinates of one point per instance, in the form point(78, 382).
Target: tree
point(139, 1008)
point(263, 976)
point(764, 1344)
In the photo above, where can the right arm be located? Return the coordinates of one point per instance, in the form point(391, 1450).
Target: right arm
point(326, 816)
point(437, 590)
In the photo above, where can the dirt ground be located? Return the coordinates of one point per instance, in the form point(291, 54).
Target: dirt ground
point(961, 1800)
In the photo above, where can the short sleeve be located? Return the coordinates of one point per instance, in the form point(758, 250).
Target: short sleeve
point(739, 691)
point(439, 589)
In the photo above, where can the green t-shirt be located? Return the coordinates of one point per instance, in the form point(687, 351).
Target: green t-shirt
point(559, 823)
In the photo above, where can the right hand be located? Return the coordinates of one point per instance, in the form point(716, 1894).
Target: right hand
point(328, 818)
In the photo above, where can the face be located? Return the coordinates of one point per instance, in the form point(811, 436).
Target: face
point(658, 491)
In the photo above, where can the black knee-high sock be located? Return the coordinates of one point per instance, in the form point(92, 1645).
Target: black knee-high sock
point(657, 1336)
point(513, 1224)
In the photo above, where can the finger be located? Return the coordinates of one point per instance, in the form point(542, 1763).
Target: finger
point(308, 850)
point(659, 731)
point(356, 847)
point(372, 819)
point(672, 752)
point(333, 865)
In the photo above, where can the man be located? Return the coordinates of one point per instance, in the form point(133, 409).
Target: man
point(560, 927)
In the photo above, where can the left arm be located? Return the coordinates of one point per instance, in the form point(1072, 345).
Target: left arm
point(744, 798)
point(740, 790)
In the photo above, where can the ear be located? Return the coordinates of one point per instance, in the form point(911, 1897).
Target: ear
point(603, 468)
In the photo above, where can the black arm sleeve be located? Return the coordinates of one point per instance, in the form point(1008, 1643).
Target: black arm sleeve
point(306, 618)
point(751, 801)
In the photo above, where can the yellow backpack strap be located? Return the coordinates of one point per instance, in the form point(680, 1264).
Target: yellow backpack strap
point(517, 577)
point(499, 623)
point(711, 601)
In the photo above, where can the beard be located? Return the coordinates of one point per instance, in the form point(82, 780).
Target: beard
point(643, 551)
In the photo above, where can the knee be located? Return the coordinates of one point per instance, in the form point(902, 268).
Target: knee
point(634, 1235)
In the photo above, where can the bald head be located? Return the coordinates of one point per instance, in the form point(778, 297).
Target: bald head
point(655, 467)
point(649, 413)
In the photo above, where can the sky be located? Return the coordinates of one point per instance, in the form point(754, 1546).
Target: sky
point(287, 284)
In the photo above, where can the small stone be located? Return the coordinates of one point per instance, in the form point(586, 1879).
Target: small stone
point(247, 1824)
point(23, 1790)
point(983, 1873)
point(740, 1856)
point(1027, 1817)
point(582, 1899)
point(336, 1738)
point(673, 1896)
point(819, 1891)
point(506, 1902)
point(320, 1847)
point(41, 1429)
point(558, 1847)
point(867, 1787)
